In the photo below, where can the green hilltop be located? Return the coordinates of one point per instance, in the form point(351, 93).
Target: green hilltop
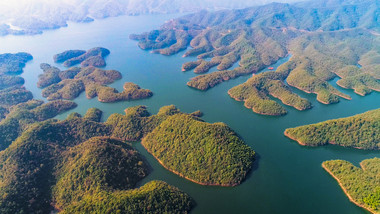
point(360, 184)
point(360, 131)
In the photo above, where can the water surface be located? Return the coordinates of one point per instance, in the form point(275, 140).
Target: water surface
point(287, 178)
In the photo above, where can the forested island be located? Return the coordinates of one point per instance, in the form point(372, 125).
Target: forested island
point(360, 131)
point(361, 185)
point(69, 84)
point(204, 153)
point(18, 109)
point(93, 57)
point(326, 41)
point(78, 162)
point(12, 91)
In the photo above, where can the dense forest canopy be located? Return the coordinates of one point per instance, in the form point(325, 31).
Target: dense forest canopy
point(360, 131)
point(361, 184)
point(209, 154)
point(70, 83)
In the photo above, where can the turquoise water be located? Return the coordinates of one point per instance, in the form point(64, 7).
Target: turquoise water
point(286, 177)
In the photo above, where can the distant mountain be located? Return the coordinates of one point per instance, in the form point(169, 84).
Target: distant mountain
point(32, 17)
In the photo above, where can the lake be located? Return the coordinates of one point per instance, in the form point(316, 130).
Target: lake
point(286, 177)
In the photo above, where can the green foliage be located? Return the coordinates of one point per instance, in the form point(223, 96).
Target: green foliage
point(12, 91)
point(60, 163)
point(359, 131)
point(209, 154)
point(14, 95)
point(256, 91)
point(21, 116)
point(93, 114)
point(154, 197)
point(99, 164)
point(322, 41)
point(61, 57)
point(13, 63)
point(361, 184)
point(67, 89)
point(71, 83)
point(9, 81)
point(49, 77)
point(107, 94)
point(137, 122)
point(92, 57)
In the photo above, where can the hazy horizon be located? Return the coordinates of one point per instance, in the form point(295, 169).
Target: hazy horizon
point(37, 15)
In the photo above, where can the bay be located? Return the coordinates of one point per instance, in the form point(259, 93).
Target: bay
point(286, 177)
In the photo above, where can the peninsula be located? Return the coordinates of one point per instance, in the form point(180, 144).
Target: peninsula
point(361, 185)
point(360, 131)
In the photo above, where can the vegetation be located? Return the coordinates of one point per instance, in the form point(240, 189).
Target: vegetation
point(257, 90)
point(21, 116)
point(93, 114)
point(14, 95)
point(360, 131)
point(107, 94)
point(66, 55)
point(99, 164)
point(93, 57)
point(13, 63)
point(361, 185)
point(208, 154)
point(70, 83)
point(61, 163)
point(12, 91)
point(323, 41)
point(137, 122)
point(153, 197)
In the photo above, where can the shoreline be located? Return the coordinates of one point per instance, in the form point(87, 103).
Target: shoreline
point(328, 143)
point(292, 138)
point(187, 178)
point(345, 191)
point(255, 111)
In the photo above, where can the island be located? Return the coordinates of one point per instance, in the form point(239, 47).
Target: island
point(21, 116)
point(83, 165)
point(18, 109)
point(360, 131)
point(12, 91)
point(207, 154)
point(69, 84)
point(257, 90)
point(56, 178)
point(324, 48)
point(93, 57)
point(360, 184)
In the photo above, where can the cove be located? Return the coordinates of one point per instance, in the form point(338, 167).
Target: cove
point(286, 178)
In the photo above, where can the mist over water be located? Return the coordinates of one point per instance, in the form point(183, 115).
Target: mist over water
point(34, 16)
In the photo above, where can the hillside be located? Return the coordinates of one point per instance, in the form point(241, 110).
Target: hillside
point(12, 91)
point(21, 116)
point(33, 17)
point(76, 165)
point(326, 42)
point(60, 150)
point(69, 84)
point(360, 184)
point(360, 131)
point(204, 153)
point(93, 57)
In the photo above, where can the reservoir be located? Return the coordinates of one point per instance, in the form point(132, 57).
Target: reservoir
point(286, 177)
